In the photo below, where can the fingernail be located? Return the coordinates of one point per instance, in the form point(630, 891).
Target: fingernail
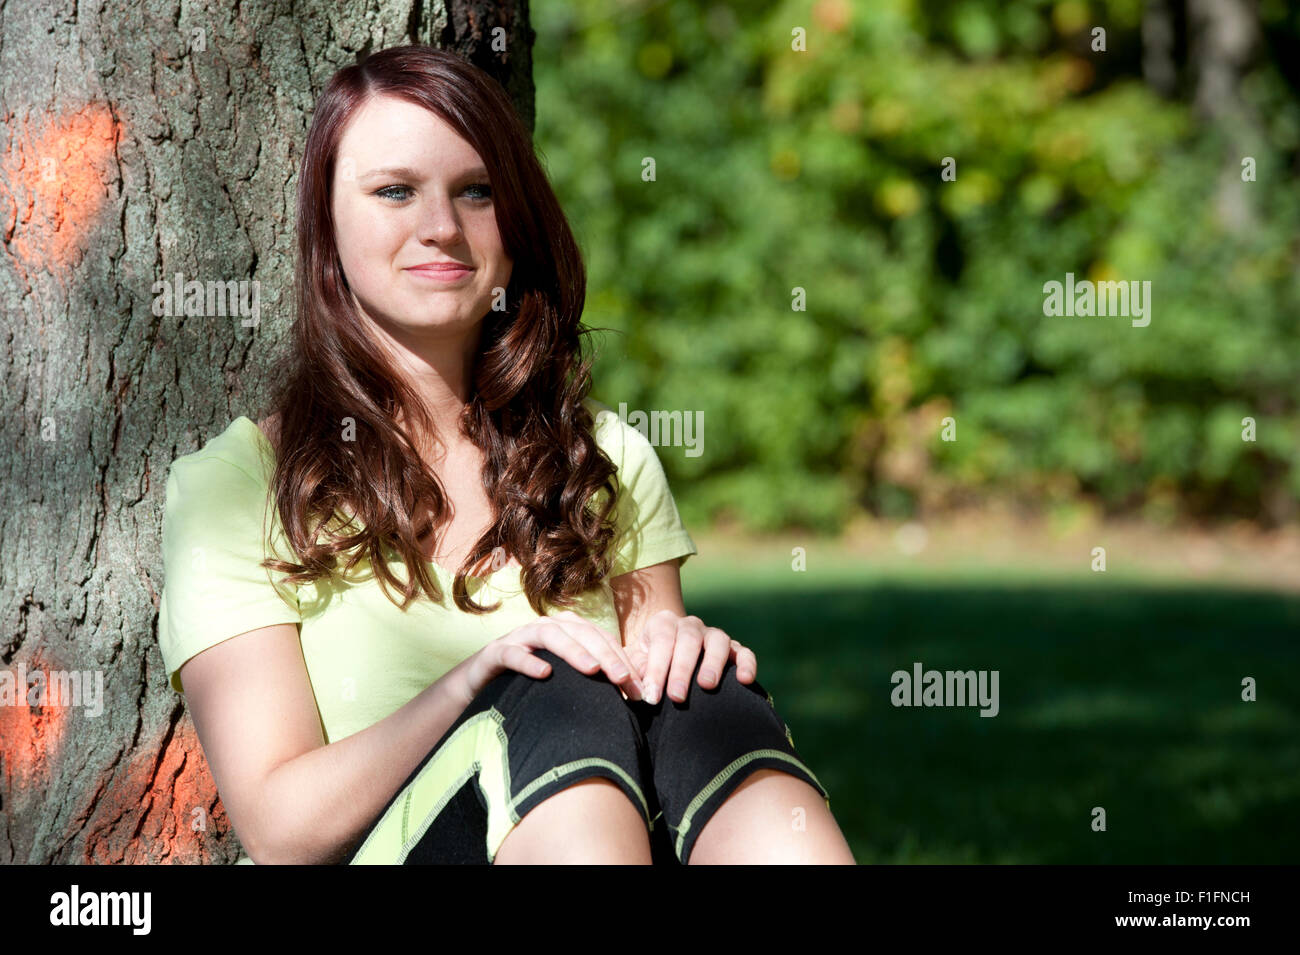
point(618, 673)
point(651, 696)
point(708, 676)
point(679, 690)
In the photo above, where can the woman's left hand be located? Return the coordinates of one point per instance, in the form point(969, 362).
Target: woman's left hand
point(669, 647)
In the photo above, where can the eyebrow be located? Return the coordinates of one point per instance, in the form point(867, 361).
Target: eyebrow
point(409, 173)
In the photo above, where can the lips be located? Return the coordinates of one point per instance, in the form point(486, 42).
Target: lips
point(441, 271)
point(441, 267)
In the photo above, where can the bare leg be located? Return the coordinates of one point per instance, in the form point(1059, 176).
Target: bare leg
point(761, 823)
point(591, 822)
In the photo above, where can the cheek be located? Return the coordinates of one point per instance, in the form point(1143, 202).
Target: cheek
point(366, 243)
point(487, 237)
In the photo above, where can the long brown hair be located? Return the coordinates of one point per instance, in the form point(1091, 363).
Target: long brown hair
point(543, 470)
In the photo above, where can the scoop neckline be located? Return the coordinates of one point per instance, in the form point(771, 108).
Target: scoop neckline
point(441, 570)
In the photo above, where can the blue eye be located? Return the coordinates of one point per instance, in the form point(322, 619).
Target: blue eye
point(387, 191)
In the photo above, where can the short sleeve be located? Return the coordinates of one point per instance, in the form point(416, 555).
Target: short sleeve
point(213, 542)
point(650, 529)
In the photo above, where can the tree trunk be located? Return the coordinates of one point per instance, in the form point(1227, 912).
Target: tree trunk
point(141, 140)
point(1158, 37)
point(1225, 37)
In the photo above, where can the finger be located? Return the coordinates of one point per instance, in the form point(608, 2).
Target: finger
point(659, 638)
point(686, 654)
point(597, 645)
point(636, 654)
point(559, 641)
point(575, 624)
point(601, 645)
point(717, 650)
point(521, 660)
point(746, 662)
point(622, 652)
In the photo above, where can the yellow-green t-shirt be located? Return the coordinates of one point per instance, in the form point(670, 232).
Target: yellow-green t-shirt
point(365, 657)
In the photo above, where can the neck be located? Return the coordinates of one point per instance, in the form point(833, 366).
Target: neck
point(439, 367)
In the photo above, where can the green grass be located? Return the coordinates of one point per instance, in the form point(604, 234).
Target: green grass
point(1125, 695)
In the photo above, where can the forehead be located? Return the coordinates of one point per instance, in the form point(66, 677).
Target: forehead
point(396, 131)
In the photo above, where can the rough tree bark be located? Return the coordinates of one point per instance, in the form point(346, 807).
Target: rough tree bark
point(144, 138)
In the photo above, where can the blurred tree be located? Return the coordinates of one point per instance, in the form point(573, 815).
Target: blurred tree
point(821, 169)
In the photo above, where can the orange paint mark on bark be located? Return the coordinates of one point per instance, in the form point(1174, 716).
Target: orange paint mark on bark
point(30, 735)
point(54, 183)
point(183, 820)
point(201, 822)
point(155, 808)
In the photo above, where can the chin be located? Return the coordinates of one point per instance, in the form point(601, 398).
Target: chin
point(437, 323)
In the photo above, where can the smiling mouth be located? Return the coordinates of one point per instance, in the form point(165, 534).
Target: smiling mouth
point(441, 274)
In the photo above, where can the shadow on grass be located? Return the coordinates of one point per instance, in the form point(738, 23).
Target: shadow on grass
point(1127, 698)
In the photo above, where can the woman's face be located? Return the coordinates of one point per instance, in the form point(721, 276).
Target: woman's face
point(409, 192)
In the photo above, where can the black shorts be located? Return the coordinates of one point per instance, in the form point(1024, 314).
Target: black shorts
point(523, 740)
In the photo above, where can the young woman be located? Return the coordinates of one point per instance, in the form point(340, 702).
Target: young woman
point(477, 608)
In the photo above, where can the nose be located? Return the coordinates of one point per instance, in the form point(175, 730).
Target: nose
point(439, 222)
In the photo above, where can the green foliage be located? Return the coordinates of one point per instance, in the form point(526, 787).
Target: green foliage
point(820, 170)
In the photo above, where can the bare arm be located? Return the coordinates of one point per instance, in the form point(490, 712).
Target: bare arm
point(292, 798)
point(641, 594)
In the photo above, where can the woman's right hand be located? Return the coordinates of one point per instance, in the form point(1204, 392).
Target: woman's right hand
point(581, 644)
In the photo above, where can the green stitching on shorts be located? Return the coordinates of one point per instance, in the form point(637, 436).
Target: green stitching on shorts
point(565, 769)
point(409, 842)
point(718, 781)
point(472, 771)
point(410, 837)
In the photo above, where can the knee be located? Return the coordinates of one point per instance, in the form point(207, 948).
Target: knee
point(730, 707)
point(567, 727)
point(573, 692)
point(729, 693)
point(564, 673)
